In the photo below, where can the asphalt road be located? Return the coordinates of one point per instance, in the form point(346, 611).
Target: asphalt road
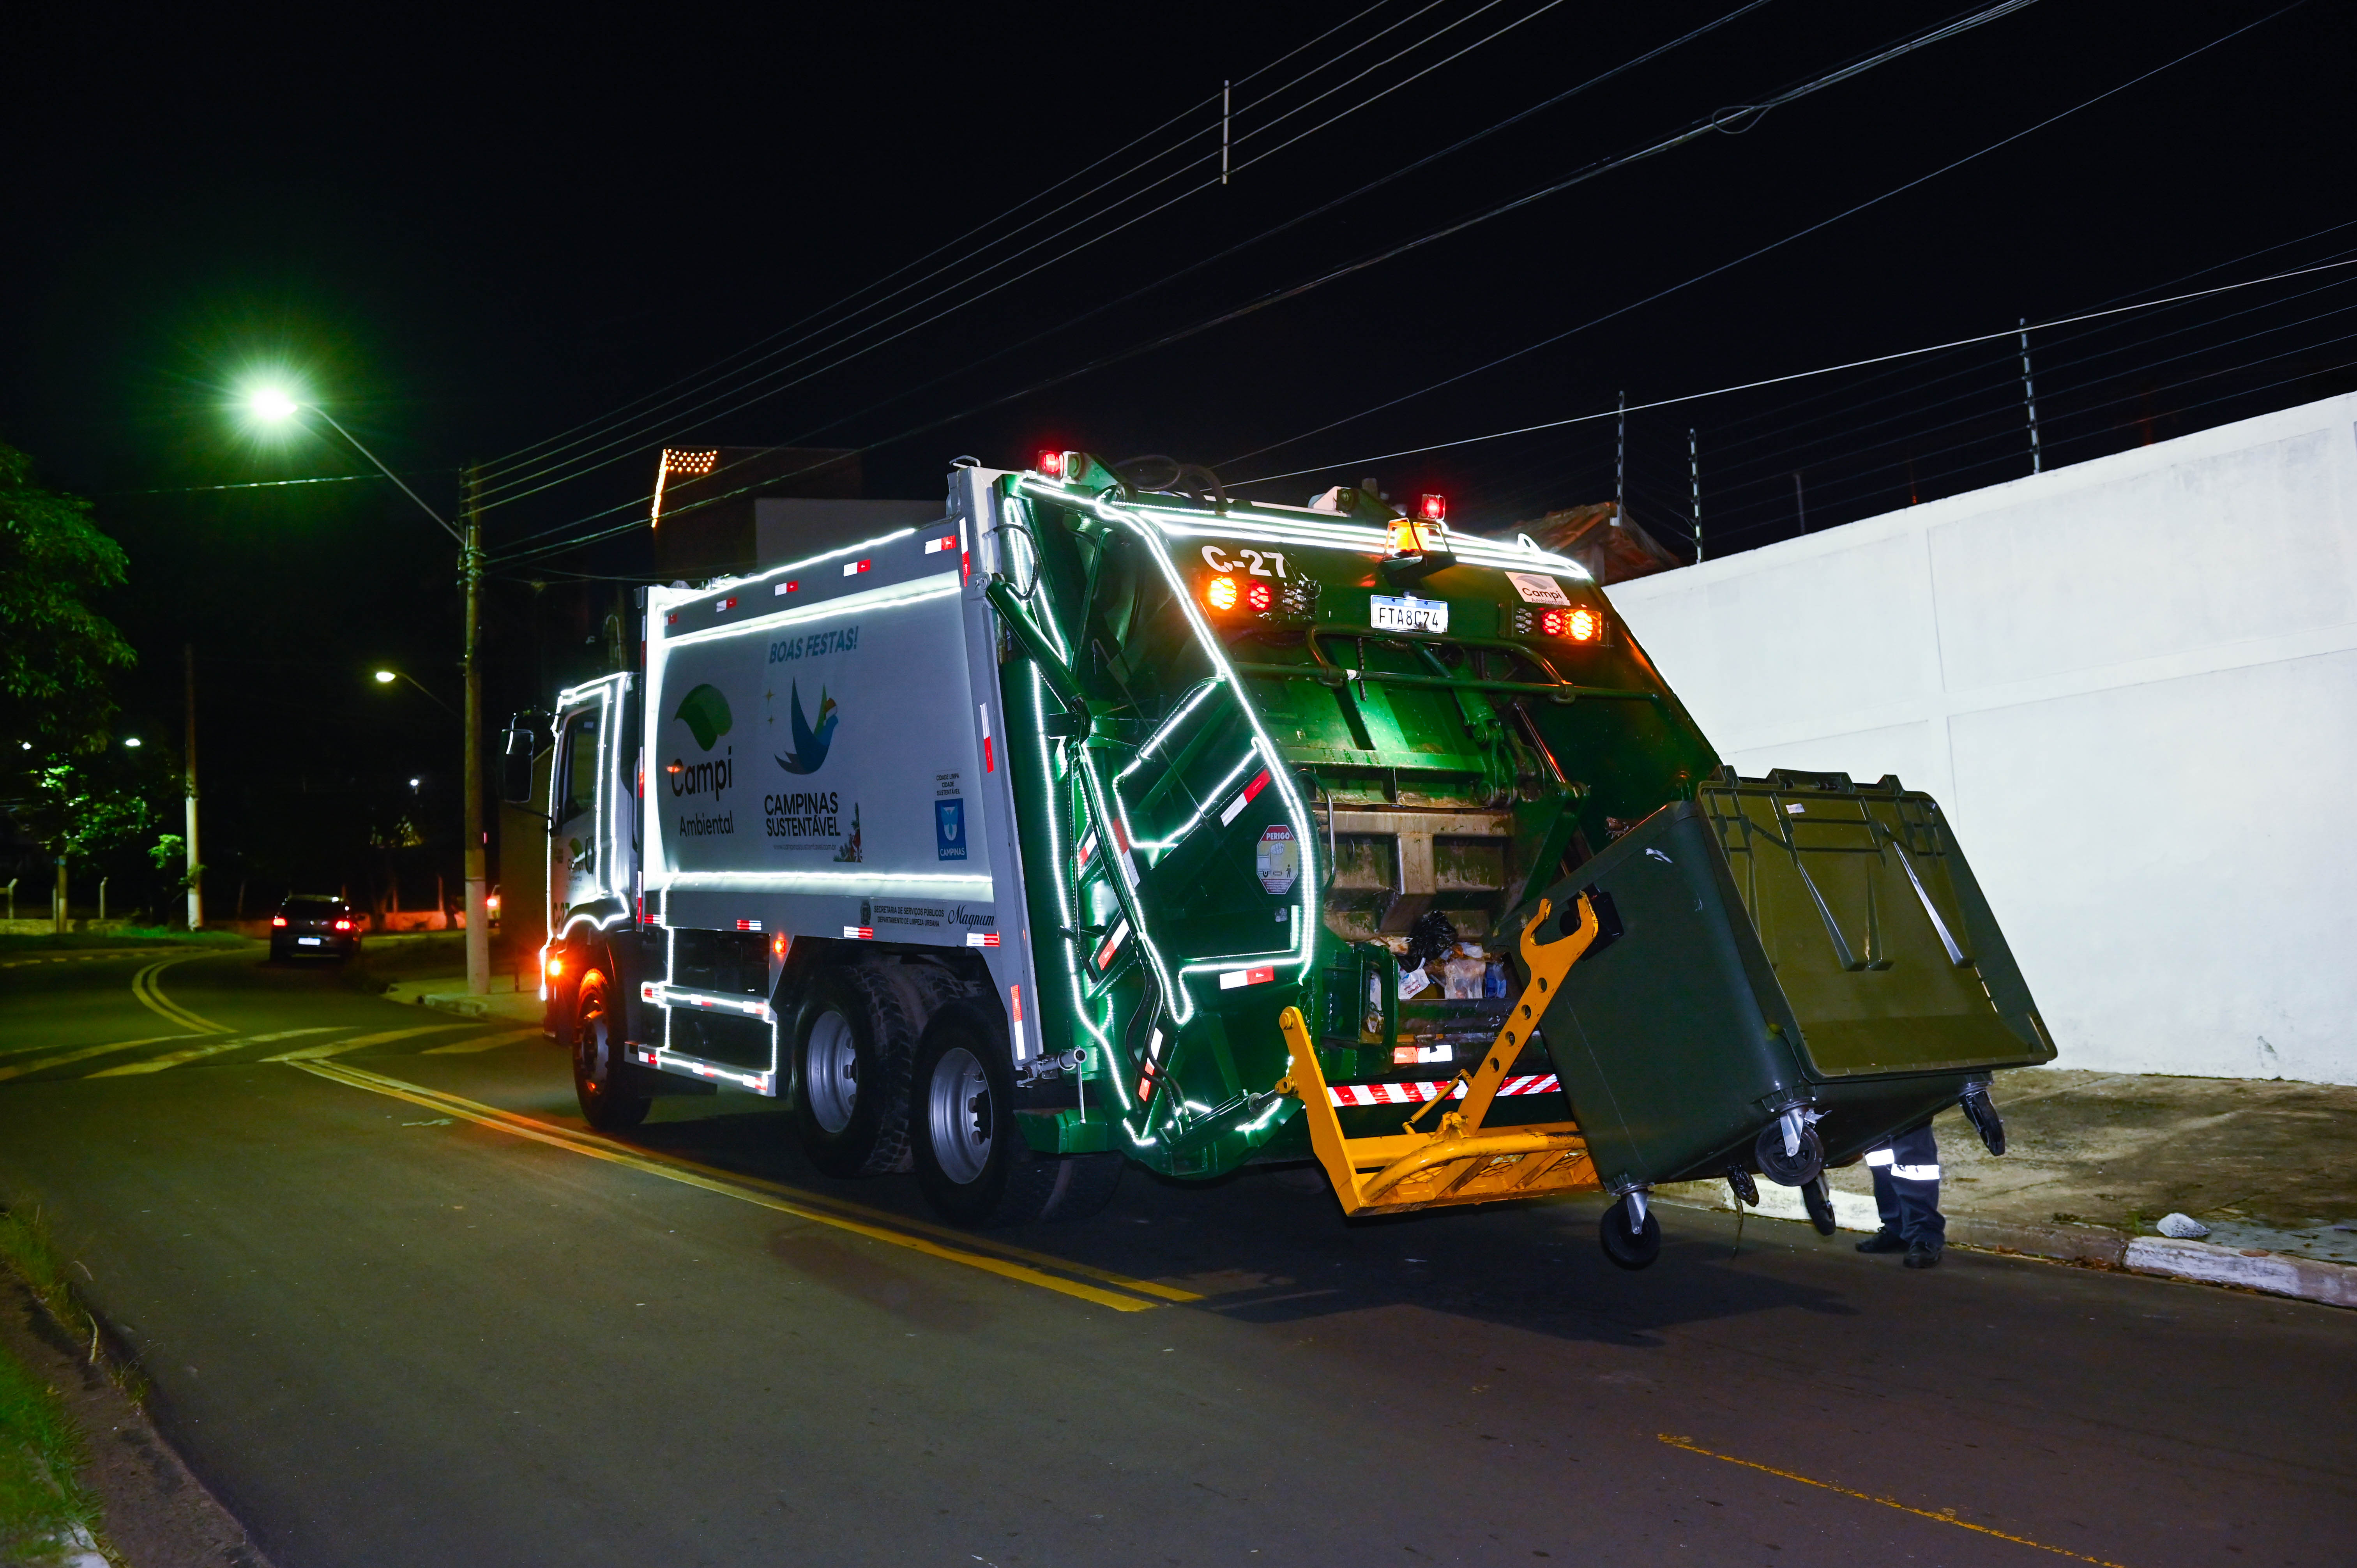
point(400, 1309)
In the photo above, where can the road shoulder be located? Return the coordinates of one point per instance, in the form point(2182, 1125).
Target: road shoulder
point(157, 1515)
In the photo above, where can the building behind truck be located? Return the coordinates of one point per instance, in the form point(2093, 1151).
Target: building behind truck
point(1100, 818)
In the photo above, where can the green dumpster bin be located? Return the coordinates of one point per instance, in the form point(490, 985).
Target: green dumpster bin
point(1791, 970)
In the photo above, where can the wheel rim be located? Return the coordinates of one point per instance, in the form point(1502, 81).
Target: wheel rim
point(958, 1115)
point(831, 1072)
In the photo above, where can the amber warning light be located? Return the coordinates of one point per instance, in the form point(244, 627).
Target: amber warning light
point(1582, 625)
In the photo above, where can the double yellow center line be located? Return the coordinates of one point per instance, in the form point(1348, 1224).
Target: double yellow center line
point(150, 996)
point(1016, 1263)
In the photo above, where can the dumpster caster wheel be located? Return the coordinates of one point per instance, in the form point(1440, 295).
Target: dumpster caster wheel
point(1798, 1168)
point(1628, 1247)
point(1819, 1202)
point(1981, 1112)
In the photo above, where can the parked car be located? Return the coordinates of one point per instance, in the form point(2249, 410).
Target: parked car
point(313, 924)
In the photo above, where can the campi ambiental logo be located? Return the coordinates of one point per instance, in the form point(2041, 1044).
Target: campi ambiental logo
point(705, 714)
point(810, 744)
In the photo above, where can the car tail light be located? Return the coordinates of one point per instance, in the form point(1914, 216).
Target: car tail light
point(1220, 594)
point(344, 925)
point(277, 919)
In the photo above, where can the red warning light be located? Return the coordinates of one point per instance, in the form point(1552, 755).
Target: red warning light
point(1257, 597)
point(1051, 464)
point(1435, 509)
point(1550, 623)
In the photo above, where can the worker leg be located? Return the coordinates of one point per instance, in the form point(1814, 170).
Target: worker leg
point(1890, 1238)
point(1914, 1177)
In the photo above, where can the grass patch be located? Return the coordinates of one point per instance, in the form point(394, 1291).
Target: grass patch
point(129, 937)
point(41, 1454)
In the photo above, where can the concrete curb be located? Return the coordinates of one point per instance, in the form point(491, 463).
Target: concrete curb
point(524, 1006)
point(2275, 1274)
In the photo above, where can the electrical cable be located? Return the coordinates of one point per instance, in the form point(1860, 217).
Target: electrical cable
point(1068, 323)
point(1753, 256)
point(1748, 112)
point(1791, 376)
point(1100, 234)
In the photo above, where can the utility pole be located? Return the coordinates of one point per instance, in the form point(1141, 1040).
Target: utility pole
point(189, 786)
point(1620, 466)
point(1694, 472)
point(470, 567)
point(2030, 398)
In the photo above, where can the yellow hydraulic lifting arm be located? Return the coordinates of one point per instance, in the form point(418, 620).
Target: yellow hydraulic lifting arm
point(1458, 1163)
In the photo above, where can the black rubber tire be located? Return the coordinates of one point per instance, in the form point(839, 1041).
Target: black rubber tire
point(971, 1161)
point(858, 1125)
point(600, 1077)
point(1796, 1169)
point(1629, 1248)
point(1085, 1186)
point(1819, 1201)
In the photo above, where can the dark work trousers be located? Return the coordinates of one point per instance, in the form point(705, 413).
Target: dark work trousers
point(1907, 1187)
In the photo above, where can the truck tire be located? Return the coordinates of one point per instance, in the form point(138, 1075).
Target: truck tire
point(600, 1076)
point(972, 1160)
point(852, 1047)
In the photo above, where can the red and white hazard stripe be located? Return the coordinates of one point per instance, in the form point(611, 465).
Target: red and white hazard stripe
point(1259, 783)
point(935, 546)
point(982, 939)
point(1260, 975)
point(989, 764)
point(859, 933)
point(1357, 1094)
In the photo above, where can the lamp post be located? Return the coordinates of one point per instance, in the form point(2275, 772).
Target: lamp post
point(274, 406)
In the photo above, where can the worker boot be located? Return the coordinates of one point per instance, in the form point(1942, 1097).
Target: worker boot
point(1924, 1254)
point(1884, 1240)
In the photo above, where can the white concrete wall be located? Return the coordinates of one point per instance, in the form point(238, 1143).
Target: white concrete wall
point(2133, 684)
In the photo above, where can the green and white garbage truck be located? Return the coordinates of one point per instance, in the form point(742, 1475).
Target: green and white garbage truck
point(1108, 819)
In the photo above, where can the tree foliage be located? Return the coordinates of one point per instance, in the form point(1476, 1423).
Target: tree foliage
point(56, 653)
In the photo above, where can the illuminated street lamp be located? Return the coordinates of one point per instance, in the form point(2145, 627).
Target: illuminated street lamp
point(274, 405)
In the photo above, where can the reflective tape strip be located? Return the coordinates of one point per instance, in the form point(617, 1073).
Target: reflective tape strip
point(1349, 1095)
point(1915, 1173)
point(1880, 1157)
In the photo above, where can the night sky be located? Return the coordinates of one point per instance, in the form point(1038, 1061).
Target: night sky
point(465, 235)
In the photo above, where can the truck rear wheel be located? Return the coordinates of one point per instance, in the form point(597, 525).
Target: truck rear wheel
point(599, 1073)
point(852, 1047)
point(972, 1160)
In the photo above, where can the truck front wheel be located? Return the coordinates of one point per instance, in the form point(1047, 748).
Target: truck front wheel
point(599, 1077)
point(852, 1050)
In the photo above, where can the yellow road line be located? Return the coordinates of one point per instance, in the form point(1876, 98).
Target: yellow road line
point(1934, 1517)
point(67, 1059)
point(962, 1240)
point(486, 1043)
point(150, 995)
point(196, 1053)
point(314, 1053)
point(520, 1127)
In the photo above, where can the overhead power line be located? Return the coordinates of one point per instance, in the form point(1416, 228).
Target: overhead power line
point(1098, 229)
point(1748, 114)
point(1789, 377)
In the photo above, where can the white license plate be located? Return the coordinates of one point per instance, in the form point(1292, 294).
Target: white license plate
point(310, 941)
point(1409, 613)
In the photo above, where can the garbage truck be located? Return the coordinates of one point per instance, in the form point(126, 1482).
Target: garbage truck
point(1111, 818)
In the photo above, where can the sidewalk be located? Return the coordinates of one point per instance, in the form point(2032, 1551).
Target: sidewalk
point(449, 994)
point(2093, 1160)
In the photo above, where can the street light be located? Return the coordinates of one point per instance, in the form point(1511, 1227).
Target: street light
point(387, 677)
point(275, 404)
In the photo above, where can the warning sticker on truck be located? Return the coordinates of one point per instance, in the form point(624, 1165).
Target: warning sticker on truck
point(1278, 859)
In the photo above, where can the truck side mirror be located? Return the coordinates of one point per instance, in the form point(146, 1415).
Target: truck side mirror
point(515, 767)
